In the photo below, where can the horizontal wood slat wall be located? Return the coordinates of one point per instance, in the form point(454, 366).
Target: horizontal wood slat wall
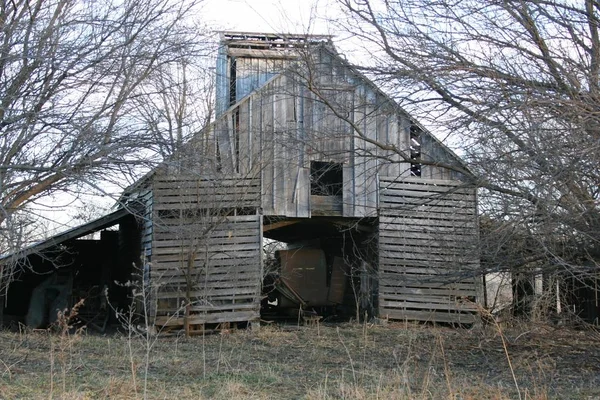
point(190, 192)
point(427, 250)
point(206, 250)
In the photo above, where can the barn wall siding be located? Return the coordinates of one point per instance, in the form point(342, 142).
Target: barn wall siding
point(322, 110)
point(280, 129)
point(428, 255)
point(206, 250)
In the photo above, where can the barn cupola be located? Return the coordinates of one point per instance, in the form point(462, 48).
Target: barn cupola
point(246, 61)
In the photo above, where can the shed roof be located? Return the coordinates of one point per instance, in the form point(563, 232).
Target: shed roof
point(93, 226)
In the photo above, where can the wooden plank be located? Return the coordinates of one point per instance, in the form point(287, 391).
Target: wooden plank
point(199, 278)
point(403, 203)
point(438, 306)
point(457, 218)
point(387, 290)
point(223, 247)
point(435, 182)
point(194, 206)
point(447, 187)
point(413, 197)
point(426, 235)
point(214, 223)
point(171, 195)
point(208, 200)
point(279, 224)
point(230, 293)
point(462, 265)
point(224, 179)
point(223, 284)
point(194, 185)
point(242, 256)
point(433, 224)
point(326, 205)
point(348, 191)
point(164, 232)
point(462, 231)
point(240, 316)
point(418, 298)
point(403, 208)
point(402, 249)
point(233, 306)
point(428, 316)
point(199, 243)
point(444, 272)
point(201, 271)
point(414, 258)
point(464, 242)
point(167, 262)
point(181, 281)
point(416, 281)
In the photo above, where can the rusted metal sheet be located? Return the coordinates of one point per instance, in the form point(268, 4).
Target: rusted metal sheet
point(337, 286)
point(305, 271)
point(306, 274)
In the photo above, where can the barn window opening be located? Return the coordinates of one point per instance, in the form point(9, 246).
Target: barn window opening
point(326, 178)
point(236, 132)
point(232, 81)
point(415, 151)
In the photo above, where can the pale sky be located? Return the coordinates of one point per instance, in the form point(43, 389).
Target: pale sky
point(289, 16)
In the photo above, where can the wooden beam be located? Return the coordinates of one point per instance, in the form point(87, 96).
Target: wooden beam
point(277, 225)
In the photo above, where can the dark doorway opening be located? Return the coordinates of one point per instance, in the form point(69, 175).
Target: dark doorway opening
point(94, 268)
point(319, 268)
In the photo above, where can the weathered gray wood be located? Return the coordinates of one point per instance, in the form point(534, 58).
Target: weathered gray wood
point(427, 250)
point(428, 316)
point(215, 258)
point(240, 316)
point(204, 262)
point(326, 205)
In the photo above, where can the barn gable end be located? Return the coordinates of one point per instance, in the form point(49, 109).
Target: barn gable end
point(329, 149)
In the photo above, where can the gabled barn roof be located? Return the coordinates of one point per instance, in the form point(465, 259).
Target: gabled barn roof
point(253, 44)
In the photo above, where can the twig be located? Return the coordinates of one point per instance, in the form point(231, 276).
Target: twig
point(347, 353)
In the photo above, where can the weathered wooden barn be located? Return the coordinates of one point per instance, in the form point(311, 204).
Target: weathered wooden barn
point(368, 210)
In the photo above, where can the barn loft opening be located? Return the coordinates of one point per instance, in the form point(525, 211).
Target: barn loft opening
point(326, 178)
point(318, 268)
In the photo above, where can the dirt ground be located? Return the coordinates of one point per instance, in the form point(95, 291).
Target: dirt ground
point(337, 361)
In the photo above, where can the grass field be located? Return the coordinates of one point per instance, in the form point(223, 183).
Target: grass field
point(347, 361)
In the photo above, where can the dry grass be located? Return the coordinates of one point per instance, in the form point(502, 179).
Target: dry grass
point(345, 361)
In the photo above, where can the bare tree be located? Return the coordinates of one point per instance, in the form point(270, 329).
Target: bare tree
point(178, 102)
point(69, 74)
point(517, 84)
